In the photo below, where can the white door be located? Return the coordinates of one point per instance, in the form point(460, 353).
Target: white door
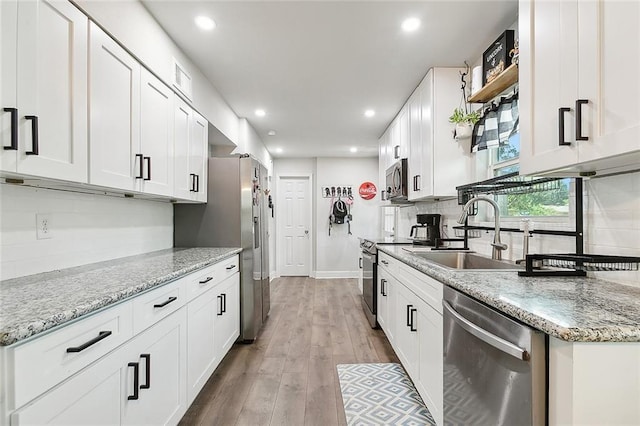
point(294, 225)
point(52, 90)
point(156, 135)
point(114, 125)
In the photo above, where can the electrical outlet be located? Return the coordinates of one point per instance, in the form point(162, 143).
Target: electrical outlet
point(43, 226)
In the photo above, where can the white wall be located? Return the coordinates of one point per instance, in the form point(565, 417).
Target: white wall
point(85, 228)
point(131, 24)
point(334, 256)
point(250, 142)
point(611, 223)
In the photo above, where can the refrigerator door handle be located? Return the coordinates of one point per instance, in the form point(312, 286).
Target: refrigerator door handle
point(256, 232)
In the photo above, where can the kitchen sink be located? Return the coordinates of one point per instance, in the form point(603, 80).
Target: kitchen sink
point(465, 260)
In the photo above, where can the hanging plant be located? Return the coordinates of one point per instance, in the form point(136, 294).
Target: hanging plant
point(459, 116)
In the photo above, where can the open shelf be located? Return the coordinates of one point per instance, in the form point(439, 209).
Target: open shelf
point(507, 78)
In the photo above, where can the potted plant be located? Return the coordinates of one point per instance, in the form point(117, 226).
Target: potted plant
point(464, 122)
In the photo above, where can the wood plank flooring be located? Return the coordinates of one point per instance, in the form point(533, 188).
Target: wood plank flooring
point(288, 376)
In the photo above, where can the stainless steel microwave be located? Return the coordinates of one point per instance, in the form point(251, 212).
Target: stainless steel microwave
point(396, 182)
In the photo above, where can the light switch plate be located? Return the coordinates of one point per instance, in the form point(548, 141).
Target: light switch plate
point(43, 226)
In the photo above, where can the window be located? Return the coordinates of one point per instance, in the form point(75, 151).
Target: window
point(555, 202)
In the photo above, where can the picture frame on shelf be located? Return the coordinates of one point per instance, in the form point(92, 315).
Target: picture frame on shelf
point(496, 58)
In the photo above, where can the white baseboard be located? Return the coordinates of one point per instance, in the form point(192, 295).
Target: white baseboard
point(336, 274)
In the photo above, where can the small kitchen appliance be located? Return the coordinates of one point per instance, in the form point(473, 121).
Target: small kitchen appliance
point(427, 231)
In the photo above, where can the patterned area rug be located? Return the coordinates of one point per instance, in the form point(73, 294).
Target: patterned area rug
point(380, 394)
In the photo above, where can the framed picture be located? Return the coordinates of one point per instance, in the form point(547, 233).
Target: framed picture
point(496, 58)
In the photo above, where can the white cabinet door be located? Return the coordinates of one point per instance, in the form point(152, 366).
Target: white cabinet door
point(45, 80)
point(202, 342)
point(198, 154)
point(415, 177)
point(428, 323)
point(156, 135)
point(406, 337)
point(158, 356)
point(92, 397)
point(403, 132)
point(608, 66)
point(228, 321)
point(548, 81)
point(382, 301)
point(114, 100)
point(183, 178)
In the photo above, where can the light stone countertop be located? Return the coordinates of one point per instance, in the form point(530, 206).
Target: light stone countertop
point(36, 303)
point(569, 308)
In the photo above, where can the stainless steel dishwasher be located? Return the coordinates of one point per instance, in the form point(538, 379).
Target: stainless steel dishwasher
point(495, 369)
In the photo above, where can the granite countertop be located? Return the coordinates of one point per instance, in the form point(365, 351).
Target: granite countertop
point(36, 303)
point(569, 308)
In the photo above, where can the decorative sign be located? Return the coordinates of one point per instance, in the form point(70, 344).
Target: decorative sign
point(368, 190)
point(496, 58)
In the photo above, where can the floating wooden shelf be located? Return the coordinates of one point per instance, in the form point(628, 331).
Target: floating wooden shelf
point(507, 78)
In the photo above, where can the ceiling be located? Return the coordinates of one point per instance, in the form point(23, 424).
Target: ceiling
point(316, 66)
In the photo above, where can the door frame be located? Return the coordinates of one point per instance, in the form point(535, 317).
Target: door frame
point(279, 178)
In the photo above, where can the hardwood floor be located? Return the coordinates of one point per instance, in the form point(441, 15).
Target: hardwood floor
point(288, 376)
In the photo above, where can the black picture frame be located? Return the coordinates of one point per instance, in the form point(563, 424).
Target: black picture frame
point(496, 58)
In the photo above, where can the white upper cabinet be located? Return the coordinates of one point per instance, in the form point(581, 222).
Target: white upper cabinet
point(198, 154)
point(443, 163)
point(415, 178)
point(114, 129)
point(579, 86)
point(156, 135)
point(43, 89)
point(191, 153)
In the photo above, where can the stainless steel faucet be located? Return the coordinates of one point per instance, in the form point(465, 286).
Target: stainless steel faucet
point(497, 245)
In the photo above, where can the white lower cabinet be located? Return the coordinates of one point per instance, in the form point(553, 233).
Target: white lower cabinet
point(412, 320)
point(146, 370)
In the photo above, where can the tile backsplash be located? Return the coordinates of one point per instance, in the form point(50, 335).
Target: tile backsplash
point(611, 225)
point(84, 228)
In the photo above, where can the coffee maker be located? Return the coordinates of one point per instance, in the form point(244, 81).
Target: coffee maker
point(427, 231)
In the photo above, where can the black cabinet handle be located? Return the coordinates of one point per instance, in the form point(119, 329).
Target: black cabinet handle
point(230, 267)
point(224, 303)
point(14, 129)
point(396, 152)
point(140, 166)
point(169, 300)
point(147, 374)
point(383, 284)
point(34, 135)
point(192, 187)
point(579, 104)
point(101, 335)
point(206, 280)
point(148, 160)
point(418, 178)
point(384, 262)
point(360, 263)
point(412, 325)
point(197, 183)
point(220, 312)
point(561, 112)
point(136, 380)
point(409, 315)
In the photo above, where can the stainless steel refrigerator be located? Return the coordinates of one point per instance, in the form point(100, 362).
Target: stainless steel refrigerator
point(235, 216)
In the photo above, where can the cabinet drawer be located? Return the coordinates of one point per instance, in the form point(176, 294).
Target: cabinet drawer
point(44, 362)
point(151, 307)
point(425, 287)
point(202, 280)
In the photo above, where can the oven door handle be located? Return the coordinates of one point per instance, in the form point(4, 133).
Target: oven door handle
point(482, 334)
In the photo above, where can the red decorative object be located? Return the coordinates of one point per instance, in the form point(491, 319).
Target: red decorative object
point(368, 190)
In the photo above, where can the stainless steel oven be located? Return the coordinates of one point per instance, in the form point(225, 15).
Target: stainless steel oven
point(369, 271)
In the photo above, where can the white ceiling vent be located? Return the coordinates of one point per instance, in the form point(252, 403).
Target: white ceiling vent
point(181, 80)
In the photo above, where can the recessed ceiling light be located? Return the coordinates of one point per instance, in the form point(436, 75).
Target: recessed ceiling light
point(353, 149)
point(205, 23)
point(260, 113)
point(271, 133)
point(369, 113)
point(410, 24)
point(279, 150)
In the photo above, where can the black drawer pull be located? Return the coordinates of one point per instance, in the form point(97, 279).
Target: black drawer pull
point(230, 267)
point(561, 112)
point(163, 304)
point(412, 325)
point(148, 160)
point(383, 284)
point(579, 104)
point(206, 280)
point(34, 135)
point(147, 374)
point(14, 128)
point(224, 303)
point(409, 315)
point(136, 381)
point(192, 187)
point(140, 159)
point(220, 312)
point(384, 262)
point(102, 335)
